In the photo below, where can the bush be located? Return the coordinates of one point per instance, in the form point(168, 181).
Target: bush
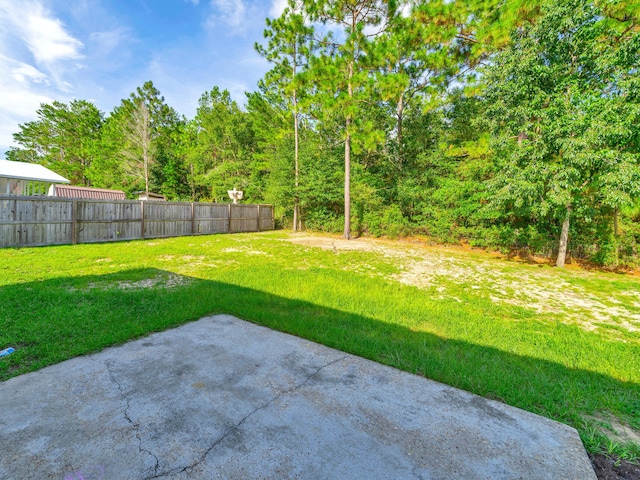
point(389, 222)
point(324, 221)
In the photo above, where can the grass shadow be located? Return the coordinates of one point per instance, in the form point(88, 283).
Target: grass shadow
point(57, 319)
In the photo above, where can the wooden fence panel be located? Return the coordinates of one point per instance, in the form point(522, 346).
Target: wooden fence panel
point(266, 218)
point(107, 221)
point(36, 221)
point(164, 219)
point(210, 218)
point(244, 218)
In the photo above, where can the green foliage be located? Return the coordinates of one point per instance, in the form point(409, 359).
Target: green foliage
point(563, 120)
point(289, 48)
point(389, 222)
point(139, 146)
point(481, 122)
point(220, 149)
point(65, 138)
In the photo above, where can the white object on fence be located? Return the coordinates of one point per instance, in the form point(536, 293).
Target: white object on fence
point(235, 195)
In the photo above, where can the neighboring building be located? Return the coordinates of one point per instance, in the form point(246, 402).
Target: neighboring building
point(20, 178)
point(67, 191)
point(151, 196)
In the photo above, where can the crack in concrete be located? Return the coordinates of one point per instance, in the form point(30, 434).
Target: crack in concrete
point(236, 426)
point(125, 413)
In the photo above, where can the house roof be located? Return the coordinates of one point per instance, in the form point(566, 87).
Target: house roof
point(29, 171)
point(155, 196)
point(68, 191)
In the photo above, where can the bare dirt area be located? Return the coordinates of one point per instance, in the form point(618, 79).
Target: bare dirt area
point(165, 280)
point(607, 468)
point(534, 286)
point(616, 430)
point(332, 243)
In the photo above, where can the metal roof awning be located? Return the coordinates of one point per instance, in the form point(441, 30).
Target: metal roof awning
point(29, 171)
point(87, 192)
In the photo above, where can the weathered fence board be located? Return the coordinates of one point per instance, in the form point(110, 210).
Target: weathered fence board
point(105, 221)
point(36, 221)
point(24, 222)
point(244, 218)
point(266, 220)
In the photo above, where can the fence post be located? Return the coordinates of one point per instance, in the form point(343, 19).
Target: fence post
point(74, 221)
point(258, 217)
point(142, 219)
point(229, 219)
point(193, 219)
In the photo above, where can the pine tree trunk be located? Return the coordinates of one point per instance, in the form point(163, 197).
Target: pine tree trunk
point(347, 165)
point(192, 183)
point(347, 183)
point(146, 170)
point(146, 142)
point(399, 112)
point(564, 239)
point(296, 198)
point(616, 235)
point(296, 194)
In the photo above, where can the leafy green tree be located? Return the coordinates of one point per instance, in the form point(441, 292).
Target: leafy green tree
point(142, 137)
point(565, 116)
point(223, 150)
point(106, 170)
point(173, 172)
point(418, 57)
point(269, 115)
point(289, 45)
point(63, 138)
point(341, 74)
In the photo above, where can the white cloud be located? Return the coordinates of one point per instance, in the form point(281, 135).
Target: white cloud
point(18, 104)
point(237, 91)
point(108, 41)
point(22, 72)
point(232, 13)
point(44, 35)
point(36, 52)
point(277, 7)
point(22, 89)
point(48, 41)
point(253, 60)
point(194, 2)
point(33, 38)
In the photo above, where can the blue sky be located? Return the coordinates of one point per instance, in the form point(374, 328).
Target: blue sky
point(101, 50)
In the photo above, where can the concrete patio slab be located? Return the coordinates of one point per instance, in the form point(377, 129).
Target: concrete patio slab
point(223, 398)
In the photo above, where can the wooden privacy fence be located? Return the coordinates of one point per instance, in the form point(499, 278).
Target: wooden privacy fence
point(37, 221)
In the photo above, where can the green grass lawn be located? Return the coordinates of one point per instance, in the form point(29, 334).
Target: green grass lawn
point(561, 343)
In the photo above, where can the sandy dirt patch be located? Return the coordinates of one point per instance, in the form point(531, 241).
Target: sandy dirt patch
point(245, 250)
point(541, 289)
point(615, 429)
point(170, 280)
point(330, 243)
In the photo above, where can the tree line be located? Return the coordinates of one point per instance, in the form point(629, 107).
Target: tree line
point(511, 125)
